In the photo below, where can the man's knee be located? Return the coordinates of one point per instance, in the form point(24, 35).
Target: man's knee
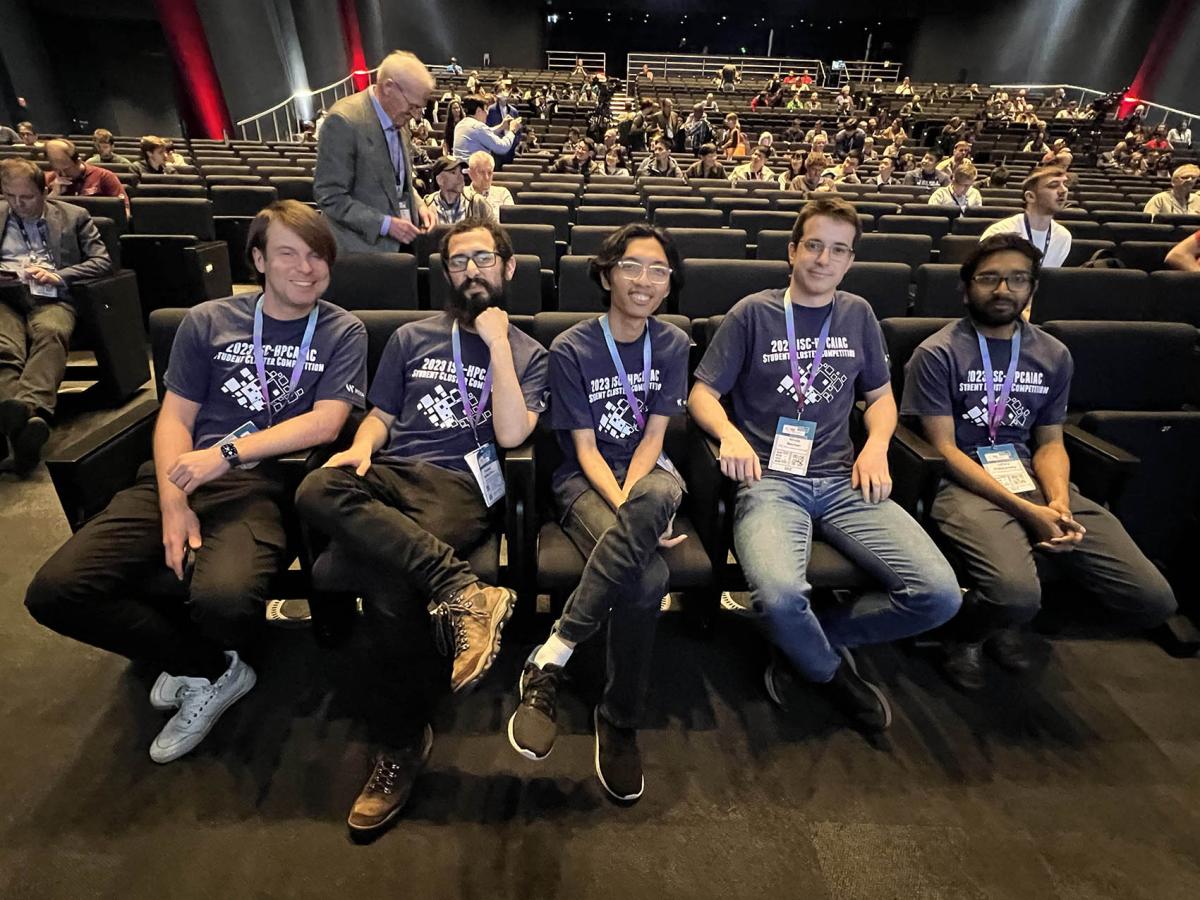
point(1153, 603)
point(312, 497)
point(225, 608)
point(938, 597)
point(1014, 599)
point(48, 597)
point(654, 499)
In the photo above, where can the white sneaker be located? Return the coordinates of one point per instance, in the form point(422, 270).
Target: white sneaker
point(165, 693)
point(201, 703)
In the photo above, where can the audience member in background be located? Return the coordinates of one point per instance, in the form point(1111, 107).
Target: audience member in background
point(728, 78)
point(814, 180)
point(886, 173)
point(660, 163)
point(579, 161)
point(1158, 140)
point(504, 110)
point(473, 82)
point(172, 158)
point(816, 133)
point(707, 166)
point(8, 136)
point(911, 108)
point(448, 203)
point(842, 100)
point(894, 148)
point(930, 174)
point(1036, 144)
point(472, 133)
point(1055, 99)
point(1068, 111)
point(759, 101)
point(849, 138)
point(365, 186)
point(614, 163)
point(961, 191)
point(868, 151)
point(102, 138)
point(1058, 154)
point(153, 159)
point(938, 93)
point(962, 153)
point(845, 172)
point(818, 147)
point(481, 167)
point(668, 123)
point(1045, 191)
point(697, 131)
point(951, 134)
point(794, 133)
point(1182, 198)
point(785, 438)
point(1181, 135)
point(734, 142)
point(1185, 256)
point(895, 132)
point(766, 140)
point(998, 177)
point(617, 494)
point(46, 247)
point(454, 115)
point(754, 170)
point(1007, 506)
point(906, 163)
point(711, 105)
point(319, 122)
point(904, 88)
point(28, 135)
point(794, 169)
point(73, 178)
point(214, 507)
point(453, 68)
point(404, 505)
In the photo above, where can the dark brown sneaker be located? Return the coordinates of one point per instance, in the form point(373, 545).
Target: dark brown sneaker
point(467, 626)
point(391, 782)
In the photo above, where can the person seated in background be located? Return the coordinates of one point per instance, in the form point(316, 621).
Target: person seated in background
point(46, 247)
point(1036, 144)
point(961, 191)
point(991, 394)
point(904, 88)
point(849, 138)
point(998, 177)
point(1158, 140)
point(711, 105)
point(785, 438)
point(1055, 99)
point(617, 494)
point(817, 132)
point(660, 163)
point(1058, 154)
point(1068, 111)
point(842, 101)
point(929, 174)
point(962, 153)
point(1185, 256)
point(215, 507)
point(913, 106)
point(894, 148)
point(754, 170)
point(579, 161)
point(819, 147)
point(1045, 191)
point(448, 202)
point(1182, 198)
point(28, 135)
point(72, 178)
point(868, 151)
point(417, 491)
point(733, 143)
point(696, 131)
point(794, 133)
point(845, 172)
point(795, 168)
point(453, 68)
point(481, 167)
point(895, 132)
point(102, 139)
point(472, 133)
point(707, 166)
point(153, 160)
point(886, 173)
point(815, 180)
point(759, 101)
point(766, 140)
point(614, 163)
point(938, 93)
point(8, 136)
point(171, 157)
point(1180, 136)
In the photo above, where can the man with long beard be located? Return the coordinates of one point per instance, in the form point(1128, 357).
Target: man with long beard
point(418, 489)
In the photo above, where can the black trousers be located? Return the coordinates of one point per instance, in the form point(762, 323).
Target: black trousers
point(100, 586)
point(406, 527)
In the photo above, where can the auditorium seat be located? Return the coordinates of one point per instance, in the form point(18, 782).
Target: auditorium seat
point(1095, 294)
point(173, 251)
point(1119, 232)
point(939, 291)
point(1149, 256)
point(577, 292)
point(107, 207)
point(950, 211)
point(912, 249)
point(933, 226)
point(712, 286)
point(752, 221)
point(195, 191)
point(772, 244)
point(266, 172)
point(1083, 249)
point(987, 211)
point(526, 289)
point(173, 216)
point(228, 169)
point(537, 240)
point(374, 281)
point(655, 201)
point(669, 217)
point(728, 205)
point(709, 243)
point(559, 217)
point(1122, 215)
point(661, 190)
point(293, 188)
point(241, 201)
point(547, 198)
point(903, 336)
point(882, 284)
point(607, 216)
point(1174, 297)
point(875, 209)
point(242, 180)
point(968, 225)
point(609, 200)
point(954, 248)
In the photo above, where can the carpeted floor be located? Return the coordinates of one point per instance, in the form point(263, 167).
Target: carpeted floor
point(1084, 782)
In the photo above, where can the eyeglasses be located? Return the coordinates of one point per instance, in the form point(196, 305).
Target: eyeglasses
point(1016, 282)
point(483, 259)
point(839, 252)
point(632, 270)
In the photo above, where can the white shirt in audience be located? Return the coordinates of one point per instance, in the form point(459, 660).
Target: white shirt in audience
point(1054, 253)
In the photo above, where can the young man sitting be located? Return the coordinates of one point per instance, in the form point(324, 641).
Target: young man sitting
point(251, 378)
point(1045, 191)
point(991, 393)
point(616, 381)
point(792, 363)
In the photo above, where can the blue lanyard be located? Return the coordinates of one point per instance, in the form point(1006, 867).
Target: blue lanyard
point(297, 368)
point(623, 376)
point(793, 359)
point(997, 406)
point(43, 233)
point(472, 412)
point(1029, 232)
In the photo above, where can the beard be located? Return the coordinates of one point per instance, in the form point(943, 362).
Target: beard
point(464, 304)
point(986, 313)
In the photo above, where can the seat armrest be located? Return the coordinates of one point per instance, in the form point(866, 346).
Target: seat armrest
point(710, 496)
point(88, 473)
point(1098, 468)
point(520, 515)
point(916, 470)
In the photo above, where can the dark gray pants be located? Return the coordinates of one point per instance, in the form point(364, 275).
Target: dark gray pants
point(1001, 565)
point(33, 352)
point(623, 583)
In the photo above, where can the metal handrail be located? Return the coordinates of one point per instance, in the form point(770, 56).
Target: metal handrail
point(343, 87)
point(708, 66)
point(565, 59)
point(864, 70)
point(1088, 94)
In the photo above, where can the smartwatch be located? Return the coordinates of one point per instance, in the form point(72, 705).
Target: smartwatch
point(230, 453)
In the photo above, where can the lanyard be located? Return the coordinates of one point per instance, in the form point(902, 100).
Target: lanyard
point(802, 390)
point(472, 412)
point(1029, 232)
point(624, 376)
point(996, 406)
point(301, 357)
point(43, 233)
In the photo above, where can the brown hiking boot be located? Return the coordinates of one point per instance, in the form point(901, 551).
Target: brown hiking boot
point(467, 626)
point(390, 784)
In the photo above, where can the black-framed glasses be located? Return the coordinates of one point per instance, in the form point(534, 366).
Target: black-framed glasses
point(1014, 281)
point(483, 259)
point(632, 270)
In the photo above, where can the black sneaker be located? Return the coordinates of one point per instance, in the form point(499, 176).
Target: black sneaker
point(391, 782)
point(534, 726)
point(618, 762)
point(27, 445)
point(1007, 647)
point(963, 666)
point(778, 679)
point(856, 698)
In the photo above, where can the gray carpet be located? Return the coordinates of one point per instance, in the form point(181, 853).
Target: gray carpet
point(1084, 782)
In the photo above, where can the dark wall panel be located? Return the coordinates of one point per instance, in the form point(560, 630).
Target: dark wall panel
point(245, 54)
point(28, 66)
point(435, 30)
point(320, 32)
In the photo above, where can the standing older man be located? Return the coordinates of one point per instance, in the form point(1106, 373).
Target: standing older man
point(364, 177)
point(75, 178)
point(481, 167)
point(45, 247)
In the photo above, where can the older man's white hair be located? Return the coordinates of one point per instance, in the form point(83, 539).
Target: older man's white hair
point(481, 160)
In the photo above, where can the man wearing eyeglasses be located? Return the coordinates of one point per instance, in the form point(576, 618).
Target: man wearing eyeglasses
point(792, 363)
point(419, 490)
point(991, 393)
point(363, 180)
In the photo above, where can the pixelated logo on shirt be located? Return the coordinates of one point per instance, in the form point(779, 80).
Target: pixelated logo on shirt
point(243, 387)
point(443, 408)
point(278, 359)
point(828, 383)
point(617, 422)
point(1016, 415)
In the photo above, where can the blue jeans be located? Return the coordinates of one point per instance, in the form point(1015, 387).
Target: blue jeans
point(772, 534)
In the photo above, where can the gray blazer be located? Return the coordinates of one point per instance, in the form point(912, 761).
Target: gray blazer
point(79, 252)
point(354, 183)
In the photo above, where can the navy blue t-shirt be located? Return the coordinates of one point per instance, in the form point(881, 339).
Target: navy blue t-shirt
point(212, 363)
point(944, 377)
point(748, 361)
point(587, 393)
point(416, 382)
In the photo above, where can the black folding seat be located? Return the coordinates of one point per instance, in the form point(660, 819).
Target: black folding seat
point(293, 187)
point(558, 217)
point(989, 211)
point(1084, 249)
point(772, 244)
point(1174, 297)
point(236, 180)
point(586, 239)
point(709, 243)
point(954, 248)
point(608, 215)
point(195, 191)
point(266, 172)
point(752, 221)
point(241, 201)
point(933, 226)
point(1105, 216)
point(903, 335)
point(547, 198)
point(106, 207)
point(950, 211)
point(576, 290)
point(526, 289)
point(537, 240)
point(654, 201)
point(972, 226)
point(1119, 232)
point(669, 217)
point(1149, 256)
point(876, 208)
point(882, 284)
point(727, 205)
point(374, 281)
point(175, 254)
point(590, 200)
point(1094, 294)
point(939, 291)
point(712, 286)
point(912, 249)
point(662, 190)
point(1085, 229)
point(227, 169)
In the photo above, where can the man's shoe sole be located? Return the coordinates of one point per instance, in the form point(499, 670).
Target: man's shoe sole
point(229, 701)
point(490, 657)
point(382, 823)
point(27, 445)
point(772, 690)
point(887, 707)
point(600, 775)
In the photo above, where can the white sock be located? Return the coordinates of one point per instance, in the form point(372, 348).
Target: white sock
point(554, 652)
